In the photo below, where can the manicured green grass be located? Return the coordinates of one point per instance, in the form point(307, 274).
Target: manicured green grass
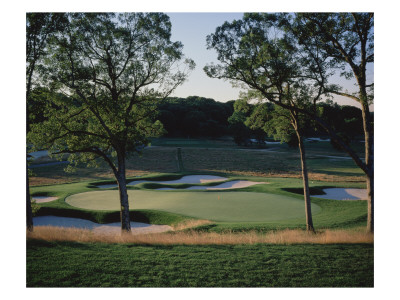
point(65, 264)
point(215, 206)
point(332, 214)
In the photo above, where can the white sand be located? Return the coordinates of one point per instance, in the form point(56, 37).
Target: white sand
point(236, 184)
point(138, 181)
point(266, 142)
point(110, 228)
point(39, 154)
point(43, 199)
point(318, 140)
point(107, 186)
point(344, 194)
point(191, 179)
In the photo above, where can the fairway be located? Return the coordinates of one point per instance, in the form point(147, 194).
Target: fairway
point(215, 206)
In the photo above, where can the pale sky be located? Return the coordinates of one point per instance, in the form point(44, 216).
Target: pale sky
point(192, 29)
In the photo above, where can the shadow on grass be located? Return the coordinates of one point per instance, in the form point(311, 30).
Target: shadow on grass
point(313, 190)
point(104, 217)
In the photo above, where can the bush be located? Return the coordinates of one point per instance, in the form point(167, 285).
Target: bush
point(35, 207)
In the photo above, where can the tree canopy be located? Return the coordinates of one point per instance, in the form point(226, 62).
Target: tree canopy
point(105, 74)
point(288, 62)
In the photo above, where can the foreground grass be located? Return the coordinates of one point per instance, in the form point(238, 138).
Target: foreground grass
point(70, 264)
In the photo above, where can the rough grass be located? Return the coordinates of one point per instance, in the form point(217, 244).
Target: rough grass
point(222, 157)
point(190, 237)
point(71, 264)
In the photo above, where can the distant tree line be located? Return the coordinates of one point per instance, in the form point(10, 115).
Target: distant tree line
point(195, 117)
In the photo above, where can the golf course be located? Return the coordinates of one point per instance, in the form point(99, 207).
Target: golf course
point(131, 182)
point(200, 213)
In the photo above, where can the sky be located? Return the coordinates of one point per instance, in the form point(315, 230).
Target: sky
point(192, 29)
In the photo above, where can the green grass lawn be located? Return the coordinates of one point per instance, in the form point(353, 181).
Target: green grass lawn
point(281, 195)
point(214, 206)
point(276, 205)
point(66, 264)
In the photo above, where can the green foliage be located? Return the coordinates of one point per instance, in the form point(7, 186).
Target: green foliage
point(105, 75)
point(35, 207)
point(264, 57)
point(40, 28)
point(194, 117)
point(240, 132)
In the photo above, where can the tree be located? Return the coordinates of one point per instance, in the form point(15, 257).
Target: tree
point(348, 40)
point(241, 133)
point(194, 116)
point(39, 28)
point(271, 67)
point(341, 39)
point(287, 126)
point(107, 72)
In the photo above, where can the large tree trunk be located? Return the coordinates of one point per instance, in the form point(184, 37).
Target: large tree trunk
point(370, 199)
point(29, 217)
point(369, 161)
point(123, 196)
point(304, 172)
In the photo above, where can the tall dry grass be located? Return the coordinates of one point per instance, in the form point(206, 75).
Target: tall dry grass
point(191, 223)
point(209, 238)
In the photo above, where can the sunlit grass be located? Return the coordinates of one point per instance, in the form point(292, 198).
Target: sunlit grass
point(189, 237)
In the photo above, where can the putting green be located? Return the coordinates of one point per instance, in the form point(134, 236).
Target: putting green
point(216, 206)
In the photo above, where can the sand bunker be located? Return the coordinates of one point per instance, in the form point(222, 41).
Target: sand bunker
point(43, 199)
point(266, 142)
point(317, 140)
point(107, 186)
point(110, 228)
point(236, 184)
point(344, 194)
point(191, 179)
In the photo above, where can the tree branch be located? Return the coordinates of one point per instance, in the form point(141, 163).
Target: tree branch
point(94, 150)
